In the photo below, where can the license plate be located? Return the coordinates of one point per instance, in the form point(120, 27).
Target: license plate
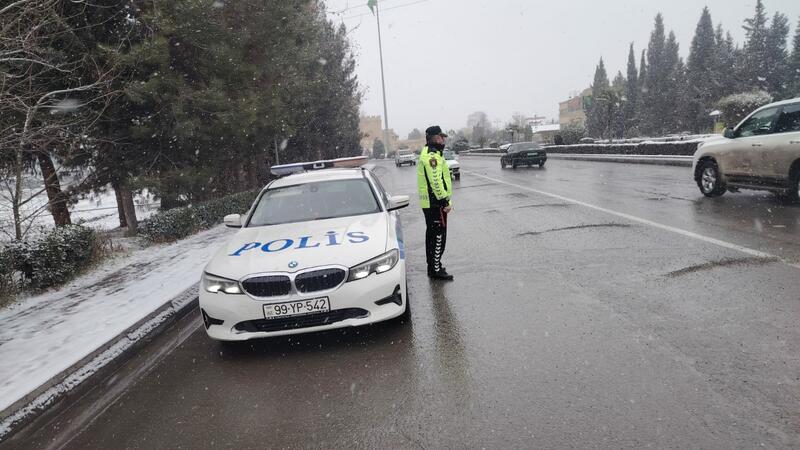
point(297, 308)
point(533, 154)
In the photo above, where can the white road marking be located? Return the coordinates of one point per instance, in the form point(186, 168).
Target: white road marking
point(680, 231)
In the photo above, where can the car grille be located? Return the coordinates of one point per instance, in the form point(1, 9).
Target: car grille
point(319, 280)
point(293, 323)
point(268, 286)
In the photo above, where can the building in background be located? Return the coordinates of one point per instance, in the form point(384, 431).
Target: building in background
point(545, 134)
point(371, 127)
point(574, 109)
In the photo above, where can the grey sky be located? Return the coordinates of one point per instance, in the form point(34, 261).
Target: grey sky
point(445, 58)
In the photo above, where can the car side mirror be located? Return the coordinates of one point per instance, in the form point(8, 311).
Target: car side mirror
point(728, 133)
point(233, 221)
point(397, 202)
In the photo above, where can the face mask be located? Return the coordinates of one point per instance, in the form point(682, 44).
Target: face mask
point(439, 147)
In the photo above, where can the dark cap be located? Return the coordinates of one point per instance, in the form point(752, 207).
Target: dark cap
point(434, 130)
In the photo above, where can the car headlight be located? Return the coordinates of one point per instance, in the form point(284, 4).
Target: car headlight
point(216, 284)
point(380, 264)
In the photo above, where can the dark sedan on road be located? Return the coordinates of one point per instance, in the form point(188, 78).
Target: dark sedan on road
point(524, 154)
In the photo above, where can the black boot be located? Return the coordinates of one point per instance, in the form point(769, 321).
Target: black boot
point(440, 275)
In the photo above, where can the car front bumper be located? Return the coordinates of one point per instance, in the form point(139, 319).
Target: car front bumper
point(240, 317)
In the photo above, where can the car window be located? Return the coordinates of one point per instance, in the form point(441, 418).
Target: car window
point(314, 201)
point(449, 155)
point(527, 146)
point(758, 124)
point(789, 119)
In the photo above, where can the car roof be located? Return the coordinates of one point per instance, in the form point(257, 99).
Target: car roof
point(791, 101)
point(313, 176)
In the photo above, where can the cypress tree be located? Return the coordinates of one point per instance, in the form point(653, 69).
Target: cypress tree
point(794, 65)
point(777, 58)
point(653, 94)
point(597, 119)
point(754, 67)
point(632, 89)
point(700, 74)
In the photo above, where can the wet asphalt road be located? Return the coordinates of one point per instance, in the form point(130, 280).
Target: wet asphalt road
point(612, 322)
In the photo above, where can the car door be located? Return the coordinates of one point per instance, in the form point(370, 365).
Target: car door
point(743, 155)
point(783, 146)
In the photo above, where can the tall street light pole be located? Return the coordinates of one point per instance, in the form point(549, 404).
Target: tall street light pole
point(387, 145)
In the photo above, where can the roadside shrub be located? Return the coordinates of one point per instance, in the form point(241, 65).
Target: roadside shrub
point(644, 148)
point(47, 260)
point(735, 107)
point(177, 223)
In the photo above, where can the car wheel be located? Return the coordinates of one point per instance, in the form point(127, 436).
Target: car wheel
point(513, 164)
point(502, 163)
point(709, 181)
point(458, 176)
point(541, 165)
point(794, 186)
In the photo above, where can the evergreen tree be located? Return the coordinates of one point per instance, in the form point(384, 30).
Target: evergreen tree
point(724, 69)
point(794, 65)
point(653, 93)
point(777, 57)
point(673, 90)
point(631, 97)
point(597, 118)
point(640, 105)
point(700, 74)
point(754, 67)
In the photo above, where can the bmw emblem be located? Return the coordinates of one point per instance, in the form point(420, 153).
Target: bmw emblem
point(292, 264)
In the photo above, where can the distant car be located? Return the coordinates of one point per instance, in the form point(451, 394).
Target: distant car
point(320, 249)
point(405, 156)
point(524, 154)
point(762, 153)
point(453, 164)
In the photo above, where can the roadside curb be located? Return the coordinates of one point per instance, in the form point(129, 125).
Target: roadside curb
point(117, 349)
point(663, 160)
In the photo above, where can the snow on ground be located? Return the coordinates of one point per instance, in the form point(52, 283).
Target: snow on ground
point(43, 335)
point(95, 210)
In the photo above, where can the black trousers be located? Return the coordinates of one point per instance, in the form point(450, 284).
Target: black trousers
point(435, 236)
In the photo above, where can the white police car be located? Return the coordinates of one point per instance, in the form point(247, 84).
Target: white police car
point(321, 248)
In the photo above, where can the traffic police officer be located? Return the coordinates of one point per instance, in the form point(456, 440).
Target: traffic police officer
point(435, 190)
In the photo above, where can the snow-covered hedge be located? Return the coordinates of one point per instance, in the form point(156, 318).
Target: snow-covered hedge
point(177, 223)
point(46, 260)
point(737, 106)
point(644, 148)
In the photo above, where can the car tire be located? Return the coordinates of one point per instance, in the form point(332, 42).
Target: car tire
point(541, 165)
point(458, 176)
point(502, 163)
point(709, 181)
point(513, 164)
point(794, 186)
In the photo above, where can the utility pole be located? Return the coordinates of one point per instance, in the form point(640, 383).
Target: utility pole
point(386, 144)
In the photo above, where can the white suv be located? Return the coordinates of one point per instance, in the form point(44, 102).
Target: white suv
point(404, 156)
point(762, 152)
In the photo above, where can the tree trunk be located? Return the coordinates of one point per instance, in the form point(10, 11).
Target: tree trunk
point(120, 209)
point(129, 208)
point(57, 199)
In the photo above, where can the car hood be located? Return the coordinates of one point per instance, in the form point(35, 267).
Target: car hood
point(345, 241)
point(453, 163)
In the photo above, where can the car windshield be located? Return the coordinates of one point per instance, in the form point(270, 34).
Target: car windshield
point(525, 146)
point(449, 155)
point(314, 201)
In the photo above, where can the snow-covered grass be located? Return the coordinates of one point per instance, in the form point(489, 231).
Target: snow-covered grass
point(44, 335)
point(95, 210)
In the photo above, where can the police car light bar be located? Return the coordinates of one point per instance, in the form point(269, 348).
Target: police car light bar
point(288, 169)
